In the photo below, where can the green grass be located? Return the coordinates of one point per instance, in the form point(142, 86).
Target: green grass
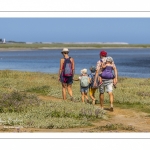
point(23, 88)
point(53, 115)
point(133, 93)
point(19, 101)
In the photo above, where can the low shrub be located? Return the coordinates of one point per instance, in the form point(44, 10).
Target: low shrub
point(17, 101)
point(54, 115)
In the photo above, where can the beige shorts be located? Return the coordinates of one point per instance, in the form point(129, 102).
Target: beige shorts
point(106, 86)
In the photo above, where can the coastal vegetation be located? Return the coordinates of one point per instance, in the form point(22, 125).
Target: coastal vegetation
point(22, 103)
point(22, 45)
point(34, 100)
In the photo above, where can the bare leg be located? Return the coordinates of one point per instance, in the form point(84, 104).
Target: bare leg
point(111, 98)
point(82, 96)
point(101, 97)
point(92, 96)
point(70, 89)
point(64, 86)
point(85, 95)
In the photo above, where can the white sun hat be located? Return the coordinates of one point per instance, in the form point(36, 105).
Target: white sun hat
point(84, 71)
point(65, 50)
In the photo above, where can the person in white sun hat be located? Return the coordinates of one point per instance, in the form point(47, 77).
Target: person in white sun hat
point(84, 85)
point(66, 73)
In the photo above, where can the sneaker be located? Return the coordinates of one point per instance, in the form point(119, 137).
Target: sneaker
point(111, 109)
point(72, 99)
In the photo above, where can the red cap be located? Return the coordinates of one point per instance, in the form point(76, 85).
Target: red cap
point(103, 53)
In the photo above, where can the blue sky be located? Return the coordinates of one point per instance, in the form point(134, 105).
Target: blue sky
point(129, 30)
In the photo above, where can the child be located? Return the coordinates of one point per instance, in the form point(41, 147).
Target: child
point(84, 84)
point(107, 72)
point(91, 88)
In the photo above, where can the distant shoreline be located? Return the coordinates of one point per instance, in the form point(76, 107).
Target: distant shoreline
point(71, 48)
point(60, 46)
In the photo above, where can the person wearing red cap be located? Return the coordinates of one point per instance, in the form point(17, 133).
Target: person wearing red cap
point(106, 83)
point(103, 53)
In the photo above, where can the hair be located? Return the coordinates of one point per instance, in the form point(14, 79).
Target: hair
point(109, 59)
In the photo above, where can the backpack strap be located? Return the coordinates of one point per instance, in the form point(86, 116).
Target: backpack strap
point(67, 58)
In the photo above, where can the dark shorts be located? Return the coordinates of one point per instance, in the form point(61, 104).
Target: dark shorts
point(67, 80)
point(84, 89)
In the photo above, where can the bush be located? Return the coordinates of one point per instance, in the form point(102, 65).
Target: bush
point(17, 101)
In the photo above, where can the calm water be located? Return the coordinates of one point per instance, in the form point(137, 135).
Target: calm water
point(130, 62)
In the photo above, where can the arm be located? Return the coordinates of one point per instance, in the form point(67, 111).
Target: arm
point(73, 66)
point(89, 80)
point(98, 67)
point(116, 74)
point(60, 68)
point(77, 79)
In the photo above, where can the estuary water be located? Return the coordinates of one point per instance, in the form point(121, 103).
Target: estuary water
point(130, 62)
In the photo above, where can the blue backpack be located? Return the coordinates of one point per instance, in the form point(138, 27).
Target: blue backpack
point(67, 67)
point(107, 73)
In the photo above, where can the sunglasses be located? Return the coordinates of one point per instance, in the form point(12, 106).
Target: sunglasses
point(64, 53)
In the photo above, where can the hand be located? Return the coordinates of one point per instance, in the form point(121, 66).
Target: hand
point(94, 84)
point(115, 82)
point(75, 79)
point(58, 78)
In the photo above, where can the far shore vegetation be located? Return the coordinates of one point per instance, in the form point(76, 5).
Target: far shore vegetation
point(34, 100)
point(23, 45)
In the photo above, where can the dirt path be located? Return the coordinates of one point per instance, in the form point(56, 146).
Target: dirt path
point(120, 120)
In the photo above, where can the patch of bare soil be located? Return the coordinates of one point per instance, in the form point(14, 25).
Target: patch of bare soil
point(120, 120)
